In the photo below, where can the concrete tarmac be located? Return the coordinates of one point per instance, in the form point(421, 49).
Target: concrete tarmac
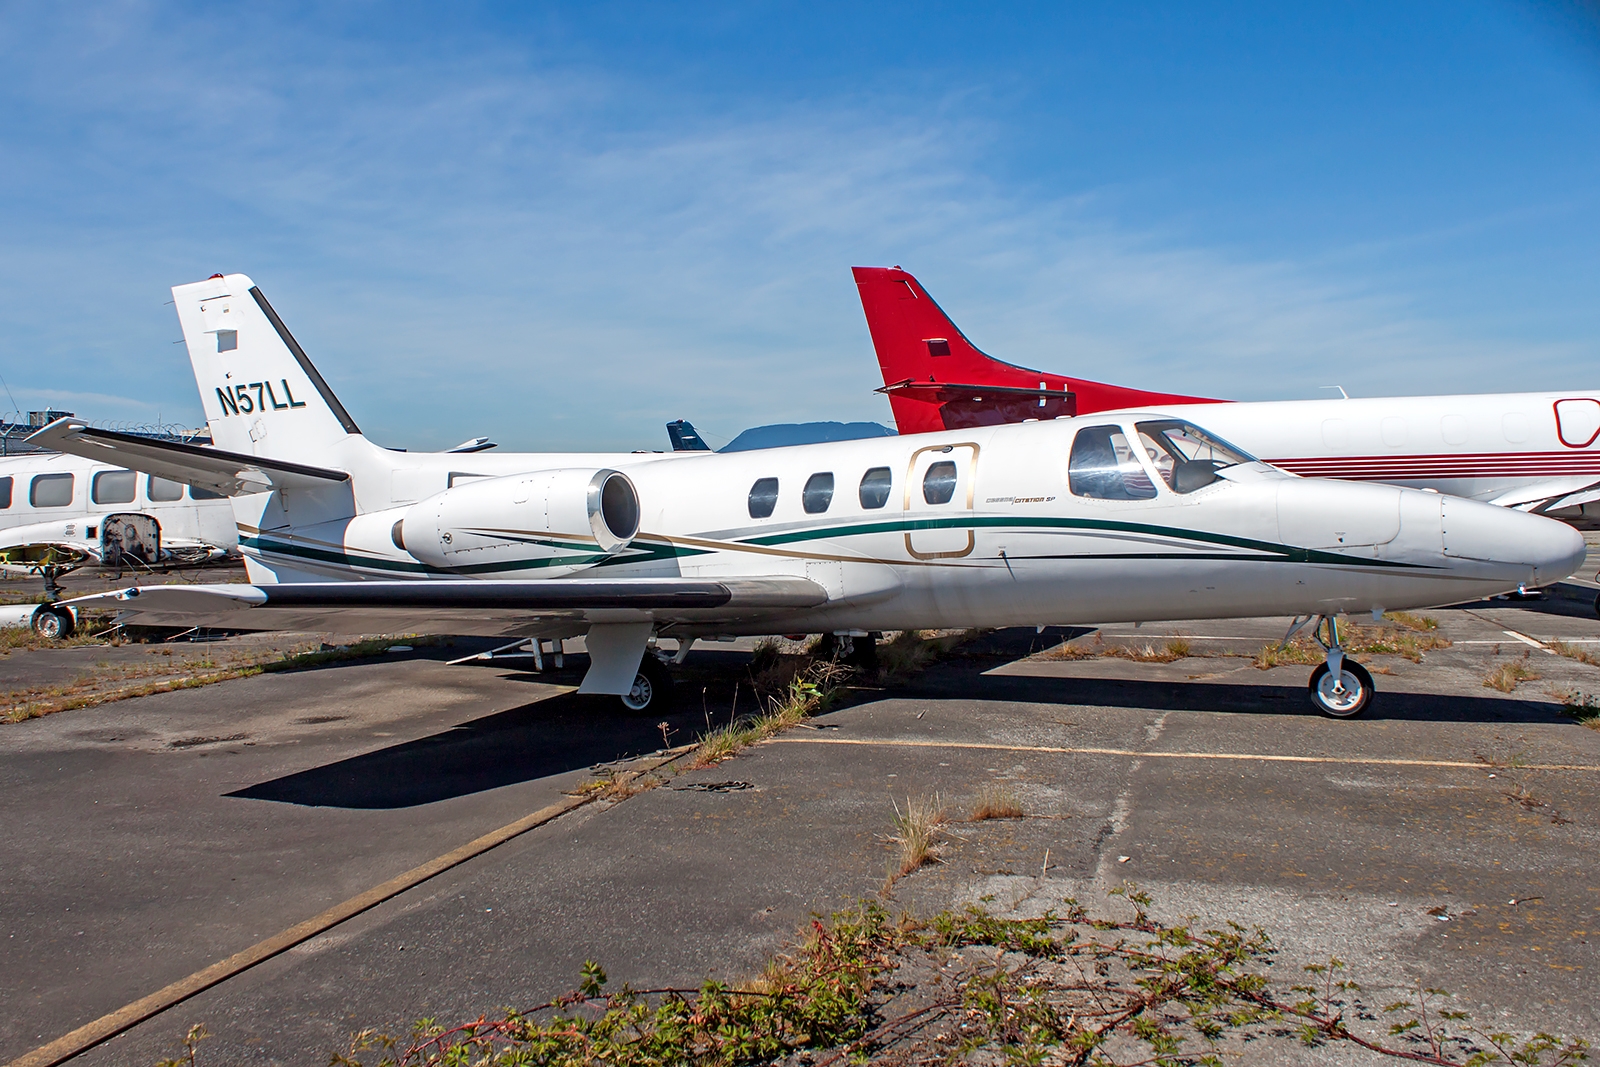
point(147, 839)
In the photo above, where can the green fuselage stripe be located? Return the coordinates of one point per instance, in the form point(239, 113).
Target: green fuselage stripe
point(1287, 553)
point(1267, 551)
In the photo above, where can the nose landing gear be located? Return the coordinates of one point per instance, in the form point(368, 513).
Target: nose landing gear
point(1340, 687)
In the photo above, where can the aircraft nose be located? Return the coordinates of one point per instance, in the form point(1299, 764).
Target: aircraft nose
point(1548, 549)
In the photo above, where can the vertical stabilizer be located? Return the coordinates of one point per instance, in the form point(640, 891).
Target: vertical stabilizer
point(936, 379)
point(262, 396)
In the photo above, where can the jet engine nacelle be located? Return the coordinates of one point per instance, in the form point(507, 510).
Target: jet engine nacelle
point(547, 523)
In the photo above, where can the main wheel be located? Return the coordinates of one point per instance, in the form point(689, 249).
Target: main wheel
point(652, 688)
point(1343, 697)
point(54, 624)
point(1597, 604)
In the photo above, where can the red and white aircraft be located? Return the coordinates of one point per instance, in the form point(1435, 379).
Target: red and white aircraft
point(1533, 451)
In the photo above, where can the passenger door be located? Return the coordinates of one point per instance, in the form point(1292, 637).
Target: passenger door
point(938, 496)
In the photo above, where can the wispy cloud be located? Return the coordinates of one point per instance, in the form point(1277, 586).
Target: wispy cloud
point(483, 240)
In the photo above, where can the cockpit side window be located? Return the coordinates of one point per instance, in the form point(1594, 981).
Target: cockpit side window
point(1103, 466)
point(1186, 456)
point(763, 498)
point(5, 493)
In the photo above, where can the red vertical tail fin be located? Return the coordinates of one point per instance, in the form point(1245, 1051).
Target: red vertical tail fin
point(936, 379)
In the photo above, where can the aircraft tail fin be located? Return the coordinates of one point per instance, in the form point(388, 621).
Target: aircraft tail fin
point(261, 393)
point(936, 379)
point(685, 438)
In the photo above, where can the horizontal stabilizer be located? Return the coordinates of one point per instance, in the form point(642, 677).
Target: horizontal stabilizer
point(228, 473)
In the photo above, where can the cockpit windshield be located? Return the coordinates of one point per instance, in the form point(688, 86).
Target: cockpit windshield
point(1186, 456)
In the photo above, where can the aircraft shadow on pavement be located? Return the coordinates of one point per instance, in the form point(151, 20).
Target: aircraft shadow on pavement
point(537, 740)
point(1166, 695)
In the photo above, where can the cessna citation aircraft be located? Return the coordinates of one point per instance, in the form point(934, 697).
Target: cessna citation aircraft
point(1533, 451)
point(1125, 517)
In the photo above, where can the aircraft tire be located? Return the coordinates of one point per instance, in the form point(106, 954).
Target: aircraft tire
point(53, 624)
point(1347, 705)
point(652, 689)
point(1597, 603)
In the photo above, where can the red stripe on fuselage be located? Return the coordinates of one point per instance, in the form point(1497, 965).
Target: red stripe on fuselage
point(1445, 465)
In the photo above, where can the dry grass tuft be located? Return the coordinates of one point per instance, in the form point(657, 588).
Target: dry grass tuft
point(1409, 643)
point(1506, 676)
point(996, 800)
point(1573, 652)
point(917, 834)
point(1579, 705)
point(809, 692)
point(1066, 650)
point(1299, 652)
point(1175, 649)
point(1388, 641)
point(914, 650)
point(1420, 623)
point(908, 653)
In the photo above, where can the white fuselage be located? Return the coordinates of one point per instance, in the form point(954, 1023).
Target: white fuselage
point(1503, 448)
point(1012, 544)
point(53, 498)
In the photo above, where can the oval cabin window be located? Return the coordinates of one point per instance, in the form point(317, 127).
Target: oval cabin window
point(763, 497)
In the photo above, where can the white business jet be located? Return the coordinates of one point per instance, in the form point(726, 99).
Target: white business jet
point(1533, 451)
point(1062, 522)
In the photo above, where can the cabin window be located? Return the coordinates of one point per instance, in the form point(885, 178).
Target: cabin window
point(227, 340)
point(939, 484)
point(50, 491)
point(1186, 456)
point(763, 497)
point(164, 490)
point(818, 493)
point(5, 493)
point(113, 487)
point(1103, 466)
point(197, 493)
point(875, 486)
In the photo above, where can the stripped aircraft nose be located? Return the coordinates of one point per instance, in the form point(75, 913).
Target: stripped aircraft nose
point(1534, 550)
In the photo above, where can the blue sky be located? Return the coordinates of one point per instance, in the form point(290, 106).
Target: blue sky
point(563, 225)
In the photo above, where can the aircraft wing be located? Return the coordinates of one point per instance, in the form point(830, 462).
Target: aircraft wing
point(228, 473)
point(1549, 495)
point(457, 606)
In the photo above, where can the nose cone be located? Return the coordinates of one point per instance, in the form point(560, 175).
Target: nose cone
point(1546, 549)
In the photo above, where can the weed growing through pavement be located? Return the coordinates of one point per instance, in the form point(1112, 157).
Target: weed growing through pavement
point(1571, 651)
point(30, 703)
point(972, 987)
point(1299, 651)
point(916, 836)
point(1576, 704)
point(1420, 623)
point(996, 800)
point(1409, 640)
point(910, 651)
point(809, 691)
point(1506, 676)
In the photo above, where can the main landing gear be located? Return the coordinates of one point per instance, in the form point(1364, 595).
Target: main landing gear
point(1340, 687)
point(49, 621)
point(652, 688)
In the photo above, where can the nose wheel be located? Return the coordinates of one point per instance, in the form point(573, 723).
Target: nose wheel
point(1340, 687)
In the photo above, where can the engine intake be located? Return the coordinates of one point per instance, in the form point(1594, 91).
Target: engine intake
point(548, 522)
